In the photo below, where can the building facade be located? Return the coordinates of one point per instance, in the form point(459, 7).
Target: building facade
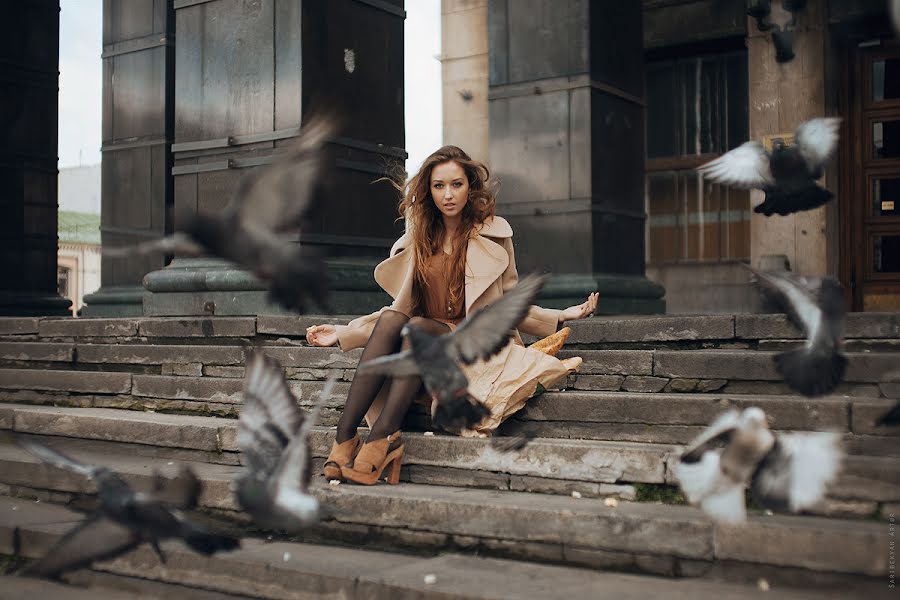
point(711, 82)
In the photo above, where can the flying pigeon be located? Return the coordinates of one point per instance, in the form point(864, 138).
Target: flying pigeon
point(785, 472)
point(788, 174)
point(816, 306)
point(273, 436)
point(123, 518)
point(253, 230)
point(437, 358)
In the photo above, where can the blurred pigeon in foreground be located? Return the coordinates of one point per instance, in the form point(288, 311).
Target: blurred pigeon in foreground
point(816, 306)
point(436, 358)
point(273, 434)
point(785, 472)
point(788, 174)
point(252, 230)
point(511, 443)
point(125, 518)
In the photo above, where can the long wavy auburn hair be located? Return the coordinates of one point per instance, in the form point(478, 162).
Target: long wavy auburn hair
point(425, 224)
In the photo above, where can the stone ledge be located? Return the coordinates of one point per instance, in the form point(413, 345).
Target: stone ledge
point(279, 569)
point(774, 326)
point(198, 327)
point(66, 381)
point(19, 325)
point(37, 351)
point(756, 365)
point(652, 329)
point(88, 327)
point(661, 530)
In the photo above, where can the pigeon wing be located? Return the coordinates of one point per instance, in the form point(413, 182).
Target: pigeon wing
point(178, 243)
point(746, 167)
point(57, 458)
point(181, 491)
point(795, 295)
point(817, 141)
point(794, 474)
point(276, 196)
point(715, 436)
point(94, 539)
point(487, 331)
point(401, 364)
point(294, 470)
point(269, 415)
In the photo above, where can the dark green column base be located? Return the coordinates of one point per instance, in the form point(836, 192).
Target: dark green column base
point(115, 301)
point(212, 287)
point(619, 294)
point(34, 304)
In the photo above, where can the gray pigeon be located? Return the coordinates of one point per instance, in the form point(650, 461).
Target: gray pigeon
point(273, 434)
point(785, 472)
point(253, 230)
point(816, 306)
point(124, 518)
point(437, 358)
point(788, 174)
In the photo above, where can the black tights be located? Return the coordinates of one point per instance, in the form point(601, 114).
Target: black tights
point(385, 339)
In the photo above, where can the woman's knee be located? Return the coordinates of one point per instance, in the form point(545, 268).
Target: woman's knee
point(392, 318)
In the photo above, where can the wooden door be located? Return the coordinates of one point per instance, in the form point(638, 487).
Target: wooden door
point(870, 207)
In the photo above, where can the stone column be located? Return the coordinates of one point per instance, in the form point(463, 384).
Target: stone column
point(464, 74)
point(136, 192)
point(781, 97)
point(28, 110)
point(567, 143)
point(247, 75)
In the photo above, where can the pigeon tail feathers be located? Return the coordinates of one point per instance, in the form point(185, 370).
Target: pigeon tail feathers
point(459, 412)
point(810, 372)
point(785, 203)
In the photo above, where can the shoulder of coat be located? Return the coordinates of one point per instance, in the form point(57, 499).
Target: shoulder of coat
point(495, 227)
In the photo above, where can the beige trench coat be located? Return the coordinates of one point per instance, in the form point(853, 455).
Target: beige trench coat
point(508, 379)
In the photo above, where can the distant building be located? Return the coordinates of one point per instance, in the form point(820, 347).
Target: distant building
point(78, 259)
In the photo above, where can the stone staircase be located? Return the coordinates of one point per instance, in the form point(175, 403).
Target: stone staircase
point(591, 495)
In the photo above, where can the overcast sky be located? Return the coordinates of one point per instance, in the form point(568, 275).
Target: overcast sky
point(80, 73)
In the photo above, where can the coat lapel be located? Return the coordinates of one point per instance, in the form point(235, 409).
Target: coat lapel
point(486, 261)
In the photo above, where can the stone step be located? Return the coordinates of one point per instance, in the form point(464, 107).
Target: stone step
point(574, 460)
point(645, 371)
point(741, 328)
point(654, 538)
point(285, 569)
point(16, 588)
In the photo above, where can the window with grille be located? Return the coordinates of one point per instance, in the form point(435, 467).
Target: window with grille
point(62, 281)
point(697, 109)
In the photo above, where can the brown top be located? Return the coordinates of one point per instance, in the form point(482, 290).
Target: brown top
point(437, 298)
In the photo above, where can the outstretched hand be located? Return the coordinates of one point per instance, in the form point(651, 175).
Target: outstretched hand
point(580, 311)
point(321, 335)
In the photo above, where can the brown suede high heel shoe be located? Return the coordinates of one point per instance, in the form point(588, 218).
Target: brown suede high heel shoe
point(340, 455)
point(373, 458)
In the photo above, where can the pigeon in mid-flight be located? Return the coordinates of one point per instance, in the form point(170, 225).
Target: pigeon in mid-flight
point(124, 518)
point(273, 434)
point(817, 306)
point(785, 472)
point(788, 174)
point(437, 358)
point(254, 229)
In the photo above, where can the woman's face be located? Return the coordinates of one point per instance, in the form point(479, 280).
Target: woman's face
point(449, 188)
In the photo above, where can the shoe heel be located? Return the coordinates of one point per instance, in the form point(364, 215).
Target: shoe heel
point(393, 477)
